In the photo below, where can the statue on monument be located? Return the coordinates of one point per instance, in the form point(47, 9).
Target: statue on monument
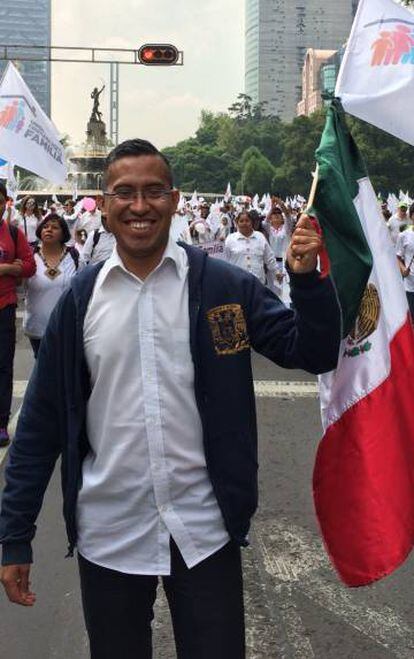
point(96, 114)
point(96, 130)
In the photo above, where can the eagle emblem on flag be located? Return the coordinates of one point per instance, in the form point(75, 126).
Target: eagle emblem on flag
point(365, 324)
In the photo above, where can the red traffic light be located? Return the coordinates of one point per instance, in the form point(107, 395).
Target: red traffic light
point(158, 54)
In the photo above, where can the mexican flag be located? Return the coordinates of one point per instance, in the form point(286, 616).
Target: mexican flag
point(364, 471)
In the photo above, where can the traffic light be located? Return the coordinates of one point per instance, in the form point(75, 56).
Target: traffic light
point(156, 54)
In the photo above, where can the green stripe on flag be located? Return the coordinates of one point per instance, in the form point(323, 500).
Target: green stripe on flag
point(340, 168)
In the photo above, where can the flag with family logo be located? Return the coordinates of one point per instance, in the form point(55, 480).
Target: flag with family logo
point(28, 137)
point(376, 78)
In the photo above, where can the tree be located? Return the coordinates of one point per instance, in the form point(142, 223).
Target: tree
point(257, 175)
point(224, 144)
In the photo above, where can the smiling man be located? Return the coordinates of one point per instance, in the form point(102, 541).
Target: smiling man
point(159, 477)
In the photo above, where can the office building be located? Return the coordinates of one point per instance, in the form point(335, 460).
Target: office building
point(278, 35)
point(28, 22)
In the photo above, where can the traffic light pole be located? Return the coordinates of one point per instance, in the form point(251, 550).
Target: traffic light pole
point(112, 56)
point(114, 103)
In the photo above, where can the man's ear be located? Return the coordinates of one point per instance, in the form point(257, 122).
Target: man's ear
point(175, 198)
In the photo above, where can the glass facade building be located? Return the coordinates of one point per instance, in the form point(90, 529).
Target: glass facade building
point(278, 35)
point(28, 22)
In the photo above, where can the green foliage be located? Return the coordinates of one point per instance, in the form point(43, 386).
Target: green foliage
point(258, 173)
point(259, 153)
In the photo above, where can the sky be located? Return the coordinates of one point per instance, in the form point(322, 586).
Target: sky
point(159, 104)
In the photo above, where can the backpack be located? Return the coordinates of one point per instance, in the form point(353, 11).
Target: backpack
point(95, 240)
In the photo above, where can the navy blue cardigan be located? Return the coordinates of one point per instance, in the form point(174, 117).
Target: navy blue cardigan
point(230, 312)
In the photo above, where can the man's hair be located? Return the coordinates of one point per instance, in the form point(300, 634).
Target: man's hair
point(135, 148)
point(3, 190)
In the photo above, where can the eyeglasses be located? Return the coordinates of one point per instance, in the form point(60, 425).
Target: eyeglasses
point(129, 195)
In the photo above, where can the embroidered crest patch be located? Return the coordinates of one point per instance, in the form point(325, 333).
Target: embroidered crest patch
point(228, 327)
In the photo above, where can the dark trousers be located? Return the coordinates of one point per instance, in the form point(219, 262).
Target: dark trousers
point(7, 347)
point(35, 343)
point(206, 606)
point(410, 299)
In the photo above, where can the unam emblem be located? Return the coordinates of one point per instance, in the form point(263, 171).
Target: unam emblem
point(365, 324)
point(228, 328)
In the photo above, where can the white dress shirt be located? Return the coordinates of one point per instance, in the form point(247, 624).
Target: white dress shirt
point(88, 221)
point(145, 478)
point(28, 224)
point(250, 253)
point(396, 225)
point(405, 250)
point(101, 251)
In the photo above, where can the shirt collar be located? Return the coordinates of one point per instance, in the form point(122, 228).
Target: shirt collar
point(241, 237)
point(173, 253)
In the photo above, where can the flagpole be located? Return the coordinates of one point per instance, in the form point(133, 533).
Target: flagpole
point(313, 188)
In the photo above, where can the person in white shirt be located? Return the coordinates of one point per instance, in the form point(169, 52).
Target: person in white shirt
point(399, 221)
point(99, 245)
point(28, 218)
point(87, 222)
point(56, 264)
point(279, 239)
point(405, 256)
point(250, 250)
point(224, 229)
point(70, 215)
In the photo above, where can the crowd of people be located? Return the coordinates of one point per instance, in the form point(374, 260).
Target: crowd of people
point(58, 238)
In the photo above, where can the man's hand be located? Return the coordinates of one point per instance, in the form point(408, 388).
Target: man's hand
point(302, 254)
point(15, 579)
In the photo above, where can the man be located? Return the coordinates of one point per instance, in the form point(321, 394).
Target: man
point(88, 222)
point(405, 256)
point(16, 262)
point(158, 477)
point(399, 221)
point(98, 246)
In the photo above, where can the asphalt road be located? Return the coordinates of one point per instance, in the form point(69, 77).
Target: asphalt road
point(295, 605)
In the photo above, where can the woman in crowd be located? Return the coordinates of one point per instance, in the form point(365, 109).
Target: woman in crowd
point(56, 264)
point(249, 249)
point(279, 238)
point(28, 219)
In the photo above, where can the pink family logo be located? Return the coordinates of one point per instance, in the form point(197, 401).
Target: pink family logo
point(394, 46)
point(12, 116)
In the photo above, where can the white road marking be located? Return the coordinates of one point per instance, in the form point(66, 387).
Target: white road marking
point(262, 389)
point(19, 388)
point(283, 389)
point(12, 430)
point(296, 559)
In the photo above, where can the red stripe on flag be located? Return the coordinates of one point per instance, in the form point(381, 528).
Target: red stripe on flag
point(363, 480)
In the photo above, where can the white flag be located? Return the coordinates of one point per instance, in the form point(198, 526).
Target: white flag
point(11, 181)
point(27, 135)
point(228, 195)
point(376, 79)
point(194, 200)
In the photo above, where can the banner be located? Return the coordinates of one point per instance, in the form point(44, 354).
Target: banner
point(27, 136)
point(376, 79)
point(213, 248)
